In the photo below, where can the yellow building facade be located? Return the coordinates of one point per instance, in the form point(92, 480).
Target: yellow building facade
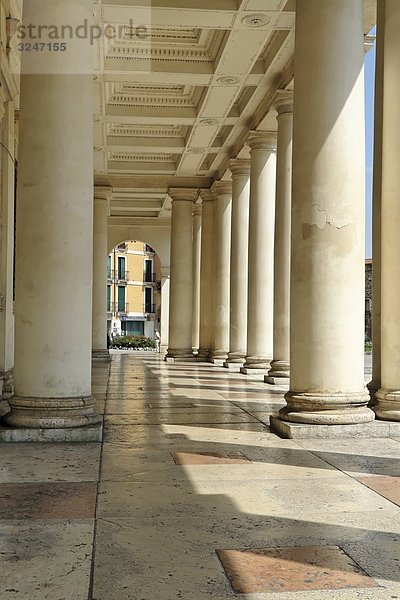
point(133, 290)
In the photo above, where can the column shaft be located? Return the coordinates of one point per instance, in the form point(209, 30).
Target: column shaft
point(165, 294)
point(240, 170)
point(206, 276)
point(99, 324)
point(280, 366)
point(261, 251)
point(7, 252)
point(375, 383)
point(388, 397)
point(327, 273)
point(196, 277)
point(53, 307)
point(223, 213)
point(181, 291)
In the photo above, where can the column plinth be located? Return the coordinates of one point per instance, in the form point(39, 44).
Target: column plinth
point(222, 231)
point(181, 283)
point(328, 210)
point(240, 169)
point(261, 251)
point(387, 405)
point(54, 255)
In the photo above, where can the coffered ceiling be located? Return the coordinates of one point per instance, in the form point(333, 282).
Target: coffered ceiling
point(178, 85)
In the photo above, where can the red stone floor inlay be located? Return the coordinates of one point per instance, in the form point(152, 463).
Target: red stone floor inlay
point(60, 500)
point(274, 570)
point(209, 458)
point(386, 486)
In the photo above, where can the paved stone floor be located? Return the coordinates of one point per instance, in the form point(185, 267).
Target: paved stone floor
point(190, 496)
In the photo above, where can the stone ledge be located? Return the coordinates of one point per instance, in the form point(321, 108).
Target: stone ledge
point(73, 434)
point(300, 431)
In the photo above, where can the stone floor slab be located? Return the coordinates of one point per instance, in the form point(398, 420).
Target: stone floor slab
point(20, 463)
point(62, 436)
point(194, 417)
point(47, 500)
point(209, 458)
point(45, 560)
point(284, 570)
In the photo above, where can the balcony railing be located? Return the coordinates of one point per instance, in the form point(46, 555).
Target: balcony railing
point(110, 274)
point(150, 309)
point(119, 309)
point(149, 277)
point(122, 275)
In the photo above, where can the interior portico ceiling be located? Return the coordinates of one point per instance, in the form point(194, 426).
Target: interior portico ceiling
point(179, 86)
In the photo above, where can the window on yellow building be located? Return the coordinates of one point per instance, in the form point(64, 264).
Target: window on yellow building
point(121, 298)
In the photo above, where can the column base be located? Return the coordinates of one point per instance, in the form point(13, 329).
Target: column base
point(326, 409)
point(52, 413)
point(236, 359)
point(278, 373)
point(373, 429)
point(218, 357)
point(387, 406)
point(103, 355)
point(179, 355)
point(203, 354)
point(256, 365)
point(8, 384)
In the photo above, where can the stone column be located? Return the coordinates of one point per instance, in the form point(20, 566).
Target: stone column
point(196, 277)
point(327, 272)
point(261, 252)
point(164, 325)
point(388, 397)
point(240, 169)
point(7, 253)
point(206, 276)
point(280, 366)
point(54, 256)
point(102, 197)
point(375, 383)
point(222, 234)
point(181, 293)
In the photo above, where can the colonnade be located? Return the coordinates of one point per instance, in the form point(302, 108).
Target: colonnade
point(296, 238)
point(267, 265)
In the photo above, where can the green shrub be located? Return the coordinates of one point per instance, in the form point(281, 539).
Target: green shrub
point(133, 342)
point(368, 347)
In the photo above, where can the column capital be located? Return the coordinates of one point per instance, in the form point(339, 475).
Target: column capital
point(183, 194)
point(262, 140)
point(239, 166)
point(222, 188)
point(103, 192)
point(283, 102)
point(206, 195)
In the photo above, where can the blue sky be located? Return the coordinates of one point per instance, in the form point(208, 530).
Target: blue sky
point(369, 131)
